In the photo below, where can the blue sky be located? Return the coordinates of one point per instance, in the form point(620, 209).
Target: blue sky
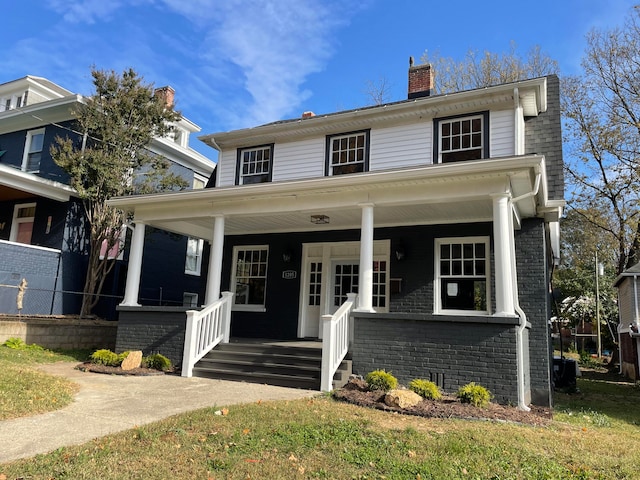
point(240, 63)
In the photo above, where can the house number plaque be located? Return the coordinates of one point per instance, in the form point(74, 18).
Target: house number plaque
point(289, 274)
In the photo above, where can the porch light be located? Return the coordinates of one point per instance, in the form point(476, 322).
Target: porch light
point(319, 219)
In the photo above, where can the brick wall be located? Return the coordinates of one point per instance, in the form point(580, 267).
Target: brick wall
point(451, 351)
point(152, 330)
point(533, 282)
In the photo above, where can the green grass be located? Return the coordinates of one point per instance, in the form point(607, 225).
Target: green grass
point(596, 435)
point(26, 391)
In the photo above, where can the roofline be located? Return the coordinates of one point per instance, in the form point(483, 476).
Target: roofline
point(19, 180)
point(430, 102)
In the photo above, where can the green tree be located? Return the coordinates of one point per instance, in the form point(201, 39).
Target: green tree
point(477, 70)
point(118, 122)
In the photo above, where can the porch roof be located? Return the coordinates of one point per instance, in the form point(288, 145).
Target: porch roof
point(433, 194)
point(16, 184)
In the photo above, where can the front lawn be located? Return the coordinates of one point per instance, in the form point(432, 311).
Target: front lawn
point(595, 435)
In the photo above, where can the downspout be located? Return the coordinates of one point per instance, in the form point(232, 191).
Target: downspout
point(523, 317)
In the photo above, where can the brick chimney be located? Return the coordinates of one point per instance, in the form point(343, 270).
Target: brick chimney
point(308, 114)
point(420, 80)
point(167, 94)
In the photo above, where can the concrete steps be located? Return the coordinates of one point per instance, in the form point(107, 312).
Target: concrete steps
point(273, 363)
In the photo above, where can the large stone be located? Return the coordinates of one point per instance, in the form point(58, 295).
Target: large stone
point(133, 360)
point(402, 398)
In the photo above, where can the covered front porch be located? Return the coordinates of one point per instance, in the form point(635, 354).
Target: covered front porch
point(374, 234)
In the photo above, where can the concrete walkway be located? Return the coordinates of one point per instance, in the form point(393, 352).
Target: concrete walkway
point(111, 403)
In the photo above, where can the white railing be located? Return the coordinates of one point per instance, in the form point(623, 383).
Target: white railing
point(205, 329)
point(336, 336)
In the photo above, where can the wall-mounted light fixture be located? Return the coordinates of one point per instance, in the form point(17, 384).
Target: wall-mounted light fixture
point(319, 219)
point(287, 255)
point(400, 253)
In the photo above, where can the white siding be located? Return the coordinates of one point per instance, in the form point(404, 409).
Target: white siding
point(625, 302)
point(501, 133)
point(402, 146)
point(298, 160)
point(227, 168)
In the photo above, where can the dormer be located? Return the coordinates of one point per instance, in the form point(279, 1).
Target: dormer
point(28, 91)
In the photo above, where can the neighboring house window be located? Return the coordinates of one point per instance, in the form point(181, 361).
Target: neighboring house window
point(462, 275)
point(33, 150)
point(117, 250)
point(190, 299)
point(193, 262)
point(249, 278)
point(198, 182)
point(462, 138)
point(254, 165)
point(22, 224)
point(347, 153)
point(7, 104)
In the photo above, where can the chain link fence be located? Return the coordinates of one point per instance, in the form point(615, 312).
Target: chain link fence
point(41, 301)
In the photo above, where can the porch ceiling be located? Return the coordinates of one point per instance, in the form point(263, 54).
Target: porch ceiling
point(450, 193)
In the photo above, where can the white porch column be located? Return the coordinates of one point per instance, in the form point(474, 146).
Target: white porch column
point(502, 240)
point(134, 271)
point(365, 289)
point(215, 262)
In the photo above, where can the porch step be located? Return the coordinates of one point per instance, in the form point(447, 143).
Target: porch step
point(282, 365)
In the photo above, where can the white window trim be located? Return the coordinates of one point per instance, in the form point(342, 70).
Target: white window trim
point(365, 161)
point(243, 307)
point(13, 234)
point(27, 147)
point(438, 310)
point(199, 250)
point(199, 178)
point(240, 164)
point(442, 121)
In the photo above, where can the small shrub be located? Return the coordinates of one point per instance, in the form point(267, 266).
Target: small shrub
point(425, 388)
point(476, 395)
point(105, 357)
point(122, 356)
point(19, 344)
point(381, 380)
point(158, 362)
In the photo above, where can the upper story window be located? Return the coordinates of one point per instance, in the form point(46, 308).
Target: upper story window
point(193, 260)
point(347, 153)
point(33, 150)
point(462, 138)
point(199, 182)
point(249, 279)
point(254, 165)
point(462, 275)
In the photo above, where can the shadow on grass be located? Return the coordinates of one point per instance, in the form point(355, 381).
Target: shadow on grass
point(604, 397)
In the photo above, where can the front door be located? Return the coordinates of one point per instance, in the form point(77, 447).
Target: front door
point(313, 299)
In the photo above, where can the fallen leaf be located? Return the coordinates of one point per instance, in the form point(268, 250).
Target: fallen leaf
point(464, 471)
point(3, 476)
point(293, 458)
point(259, 402)
point(251, 460)
point(301, 470)
point(245, 431)
point(411, 453)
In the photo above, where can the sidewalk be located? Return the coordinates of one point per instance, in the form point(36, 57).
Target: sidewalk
point(111, 403)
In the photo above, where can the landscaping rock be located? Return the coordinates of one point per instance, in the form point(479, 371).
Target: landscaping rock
point(133, 360)
point(402, 398)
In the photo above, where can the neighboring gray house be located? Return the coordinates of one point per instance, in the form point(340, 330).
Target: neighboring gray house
point(628, 287)
point(440, 211)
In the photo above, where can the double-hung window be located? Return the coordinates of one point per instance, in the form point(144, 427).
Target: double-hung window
point(462, 275)
point(254, 165)
point(462, 138)
point(347, 153)
point(249, 278)
point(193, 261)
point(33, 150)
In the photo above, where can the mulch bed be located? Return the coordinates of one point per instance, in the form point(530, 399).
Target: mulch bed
point(357, 393)
point(95, 368)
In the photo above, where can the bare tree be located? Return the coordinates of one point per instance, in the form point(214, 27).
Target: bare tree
point(602, 136)
point(478, 70)
point(378, 92)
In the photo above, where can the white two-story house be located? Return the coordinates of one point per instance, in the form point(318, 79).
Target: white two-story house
point(441, 212)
